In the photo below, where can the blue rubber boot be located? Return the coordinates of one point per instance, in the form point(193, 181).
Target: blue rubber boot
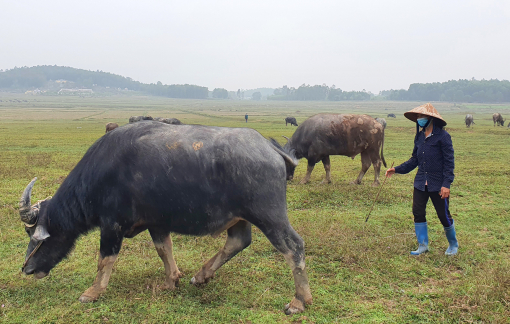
point(452, 239)
point(422, 235)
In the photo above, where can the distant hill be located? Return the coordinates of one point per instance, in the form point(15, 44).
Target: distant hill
point(454, 91)
point(54, 78)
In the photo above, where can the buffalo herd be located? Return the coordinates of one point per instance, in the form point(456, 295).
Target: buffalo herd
point(134, 119)
point(497, 119)
point(194, 180)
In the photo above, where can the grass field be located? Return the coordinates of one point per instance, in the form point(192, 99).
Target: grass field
point(357, 273)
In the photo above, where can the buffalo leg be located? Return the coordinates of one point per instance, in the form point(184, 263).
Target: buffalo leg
point(309, 170)
point(327, 167)
point(163, 244)
point(365, 165)
point(285, 239)
point(239, 237)
point(376, 161)
point(108, 252)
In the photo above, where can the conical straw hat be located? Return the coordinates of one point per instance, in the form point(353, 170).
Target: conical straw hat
point(426, 109)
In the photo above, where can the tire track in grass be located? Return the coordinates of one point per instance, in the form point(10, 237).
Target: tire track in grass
point(89, 116)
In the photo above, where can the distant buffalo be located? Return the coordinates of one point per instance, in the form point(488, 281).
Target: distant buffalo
point(469, 120)
point(291, 120)
point(323, 135)
point(392, 115)
point(382, 121)
point(498, 119)
point(134, 119)
point(111, 126)
point(172, 121)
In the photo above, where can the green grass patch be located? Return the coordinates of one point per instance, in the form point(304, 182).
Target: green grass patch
point(358, 272)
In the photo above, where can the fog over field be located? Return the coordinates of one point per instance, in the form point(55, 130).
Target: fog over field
point(372, 45)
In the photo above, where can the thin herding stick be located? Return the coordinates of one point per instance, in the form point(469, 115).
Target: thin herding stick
point(366, 220)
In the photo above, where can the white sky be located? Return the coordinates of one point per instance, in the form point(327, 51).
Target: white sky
point(365, 44)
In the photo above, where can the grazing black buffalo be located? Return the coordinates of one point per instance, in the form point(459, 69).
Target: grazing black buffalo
point(392, 116)
point(134, 119)
point(111, 126)
point(381, 121)
point(498, 119)
point(469, 120)
point(194, 180)
point(172, 121)
point(323, 135)
point(290, 120)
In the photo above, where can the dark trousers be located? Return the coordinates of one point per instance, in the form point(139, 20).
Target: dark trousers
point(420, 199)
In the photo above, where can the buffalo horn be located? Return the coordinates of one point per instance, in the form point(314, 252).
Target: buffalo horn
point(27, 213)
point(285, 137)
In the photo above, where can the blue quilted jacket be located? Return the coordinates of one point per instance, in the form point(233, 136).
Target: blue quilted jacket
point(434, 158)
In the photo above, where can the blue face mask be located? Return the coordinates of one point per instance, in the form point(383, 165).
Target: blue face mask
point(422, 121)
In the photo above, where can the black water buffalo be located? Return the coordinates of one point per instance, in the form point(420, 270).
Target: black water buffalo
point(469, 120)
point(392, 116)
point(194, 180)
point(172, 121)
point(134, 119)
point(290, 120)
point(498, 119)
point(111, 126)
point(323, 135)
point(381, 121)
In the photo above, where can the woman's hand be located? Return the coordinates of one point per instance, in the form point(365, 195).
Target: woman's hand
point(390, 172)
point(445, 192)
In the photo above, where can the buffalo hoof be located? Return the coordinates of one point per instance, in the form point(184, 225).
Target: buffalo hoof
point(376, 184)
point(304, 181)
point(326, 181)
point(294, 307)
point(199, 280)
point(172, 283)
point(87, 299)
point(91, 295)
point(355, 182)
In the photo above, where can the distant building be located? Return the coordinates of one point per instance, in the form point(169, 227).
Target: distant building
point(34, 92)
point(71, 91)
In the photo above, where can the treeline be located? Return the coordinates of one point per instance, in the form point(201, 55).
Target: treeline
point(317, 92)
point(454, 91)
point(25, 78)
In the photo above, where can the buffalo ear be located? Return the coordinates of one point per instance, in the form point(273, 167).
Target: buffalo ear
point(40, 233)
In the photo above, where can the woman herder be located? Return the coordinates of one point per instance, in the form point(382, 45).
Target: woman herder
point(433, 155)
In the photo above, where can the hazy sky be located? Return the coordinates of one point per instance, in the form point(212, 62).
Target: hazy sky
point(372, 45)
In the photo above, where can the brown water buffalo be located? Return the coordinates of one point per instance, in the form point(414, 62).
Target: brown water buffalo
point(111, 126)
point(323, 135)
point(469, 120)
point(382, 121)
point(498, 119)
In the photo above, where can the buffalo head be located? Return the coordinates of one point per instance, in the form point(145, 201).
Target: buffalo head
point(49, 249)
point(288, 156)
